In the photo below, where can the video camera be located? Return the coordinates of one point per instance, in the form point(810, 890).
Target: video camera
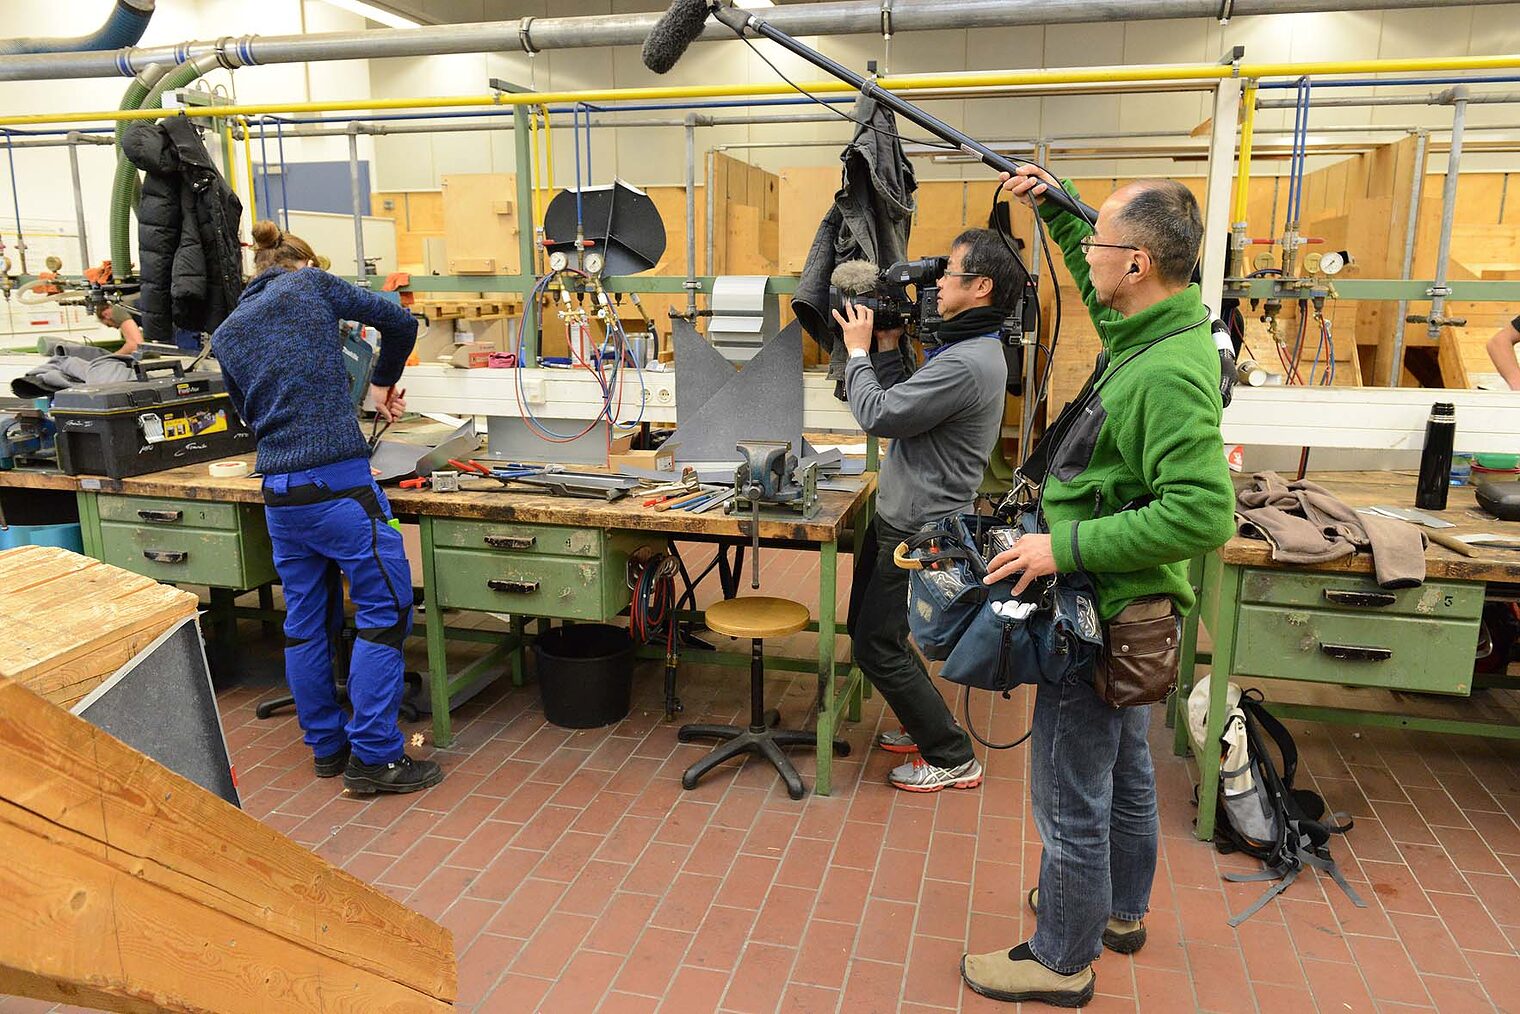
point(885, 293)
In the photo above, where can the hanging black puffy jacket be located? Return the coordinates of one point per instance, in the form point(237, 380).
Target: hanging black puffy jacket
point(189, 259)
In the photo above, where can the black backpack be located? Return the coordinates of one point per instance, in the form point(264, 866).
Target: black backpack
point(1298, 832)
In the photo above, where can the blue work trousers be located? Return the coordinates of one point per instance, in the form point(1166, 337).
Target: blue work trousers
point(323, 521)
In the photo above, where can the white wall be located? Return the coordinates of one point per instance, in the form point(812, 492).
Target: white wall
point(42, 174)
point(654, 156)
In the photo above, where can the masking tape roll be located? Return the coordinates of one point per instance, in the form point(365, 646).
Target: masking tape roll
point(229, 469)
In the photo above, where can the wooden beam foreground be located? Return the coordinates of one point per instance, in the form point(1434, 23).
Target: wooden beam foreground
point(126, 887)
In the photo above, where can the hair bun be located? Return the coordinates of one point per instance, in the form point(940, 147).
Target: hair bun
point(267, 235)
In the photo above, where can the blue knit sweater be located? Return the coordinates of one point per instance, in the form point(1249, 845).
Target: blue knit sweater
point(282, 360)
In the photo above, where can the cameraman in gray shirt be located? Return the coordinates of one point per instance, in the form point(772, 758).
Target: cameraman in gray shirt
point(942, 423)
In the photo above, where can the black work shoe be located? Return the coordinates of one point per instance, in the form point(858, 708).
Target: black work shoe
point(1120, 935)
point(332, 765)
point(400, 775)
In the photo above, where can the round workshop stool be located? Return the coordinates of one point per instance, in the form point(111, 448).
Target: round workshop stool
point(757, 618)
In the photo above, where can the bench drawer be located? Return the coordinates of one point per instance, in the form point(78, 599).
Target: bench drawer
point(1354, 649)
point(512, 538)
point(141, 510)
point(530, 584)
point(1437, 600)
point(186, 555)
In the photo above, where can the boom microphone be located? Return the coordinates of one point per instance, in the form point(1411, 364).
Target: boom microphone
point(676, 30)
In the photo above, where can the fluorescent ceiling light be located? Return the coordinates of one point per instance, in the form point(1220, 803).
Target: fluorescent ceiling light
point(385, 17)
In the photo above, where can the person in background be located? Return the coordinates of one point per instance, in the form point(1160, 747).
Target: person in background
point(117, 316)
point(282, 360)
point(942, 422)
point(1501, 350)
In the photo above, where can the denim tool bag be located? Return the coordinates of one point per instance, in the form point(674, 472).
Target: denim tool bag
point(987, 638)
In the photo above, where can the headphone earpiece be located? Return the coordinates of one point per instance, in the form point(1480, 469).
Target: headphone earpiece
point(1134, 268)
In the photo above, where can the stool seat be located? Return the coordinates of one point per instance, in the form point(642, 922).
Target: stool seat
point(757, 616)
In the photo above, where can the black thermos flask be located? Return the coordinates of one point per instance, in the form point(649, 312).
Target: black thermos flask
point(1435, 462)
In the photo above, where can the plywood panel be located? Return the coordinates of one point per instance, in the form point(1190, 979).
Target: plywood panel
point(481, 222)
point(806, 194)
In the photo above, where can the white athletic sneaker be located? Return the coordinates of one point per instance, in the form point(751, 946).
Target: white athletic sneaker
point(897, 742)
point(918, 775)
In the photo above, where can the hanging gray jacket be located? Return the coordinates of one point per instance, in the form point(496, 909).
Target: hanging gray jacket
point(870, 220)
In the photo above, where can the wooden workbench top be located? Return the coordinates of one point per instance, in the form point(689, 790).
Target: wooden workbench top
point(1396, 489)
point(194, 482)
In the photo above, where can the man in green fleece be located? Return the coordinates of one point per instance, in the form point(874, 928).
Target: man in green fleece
point(1138, 486)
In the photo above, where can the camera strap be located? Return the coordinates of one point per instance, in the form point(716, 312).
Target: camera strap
point(1032, 471)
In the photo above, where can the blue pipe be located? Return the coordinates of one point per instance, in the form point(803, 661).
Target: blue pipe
point(1371, 82)
point(124, 27)
point(279, 133)
point(56, 133)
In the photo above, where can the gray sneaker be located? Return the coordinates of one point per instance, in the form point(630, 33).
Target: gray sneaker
point(918, 775)
point(897, 742)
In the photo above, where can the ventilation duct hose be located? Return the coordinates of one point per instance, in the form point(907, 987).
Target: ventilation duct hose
point(123, 28)
point(125, 186)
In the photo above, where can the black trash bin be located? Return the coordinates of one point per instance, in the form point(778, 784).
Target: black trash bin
point(585, 674)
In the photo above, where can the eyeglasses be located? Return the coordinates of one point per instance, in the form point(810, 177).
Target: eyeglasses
point(1088, 243)
point(963, 274)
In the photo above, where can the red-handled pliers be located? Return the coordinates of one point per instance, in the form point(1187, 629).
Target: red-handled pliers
point(470, 467)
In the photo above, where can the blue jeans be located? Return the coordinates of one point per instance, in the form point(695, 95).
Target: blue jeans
point(1094, 793)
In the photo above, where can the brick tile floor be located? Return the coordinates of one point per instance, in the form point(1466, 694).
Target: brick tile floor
point(576, 875)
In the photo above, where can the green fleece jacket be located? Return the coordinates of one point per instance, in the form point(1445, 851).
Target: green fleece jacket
point(1154, 432)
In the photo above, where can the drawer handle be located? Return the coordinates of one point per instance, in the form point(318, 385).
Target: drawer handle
point(513, 587)
point(1356, 653)
point(511, 541)
point(162, 517)
point(166, 555)
point(1364, 599)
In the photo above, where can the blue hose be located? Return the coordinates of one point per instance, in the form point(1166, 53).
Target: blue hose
point(279, 133)
point(123, 28)
point(264, 160)
point(10, 151)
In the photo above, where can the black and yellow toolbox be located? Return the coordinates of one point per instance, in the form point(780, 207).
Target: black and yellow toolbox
point(147, 425)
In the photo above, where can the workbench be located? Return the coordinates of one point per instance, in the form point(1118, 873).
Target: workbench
point(511, 552)
point(1332, 624)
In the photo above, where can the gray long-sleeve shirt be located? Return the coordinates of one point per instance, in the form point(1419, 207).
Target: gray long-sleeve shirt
point(943, 422)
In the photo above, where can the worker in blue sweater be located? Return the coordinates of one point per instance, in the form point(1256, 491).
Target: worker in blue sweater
point(281, 358)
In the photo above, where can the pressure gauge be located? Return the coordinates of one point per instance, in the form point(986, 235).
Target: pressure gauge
point(558, 261)
point(594, 263)
point(1332, 263)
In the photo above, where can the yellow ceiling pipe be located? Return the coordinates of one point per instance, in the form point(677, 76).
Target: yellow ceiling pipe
point(253, 200)
point(905, 84)
point(1247, 132)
